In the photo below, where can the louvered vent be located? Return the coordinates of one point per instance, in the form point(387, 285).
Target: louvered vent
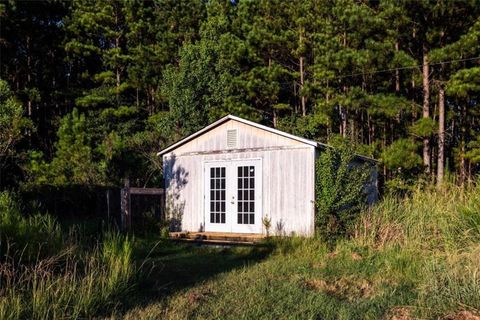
point(231, 138)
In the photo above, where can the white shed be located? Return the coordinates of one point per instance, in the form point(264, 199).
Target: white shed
point(232, 174)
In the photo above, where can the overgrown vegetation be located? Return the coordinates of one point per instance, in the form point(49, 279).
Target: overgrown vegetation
point(412, 257)
point(408, 258)
point(47, 274)
point(340, 190)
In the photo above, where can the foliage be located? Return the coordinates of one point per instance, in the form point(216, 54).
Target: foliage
point(473, 151)
point(403, 161)
point(402, 155)
point(190, 89)
point(12, 123)
point(73, 161)
point(146, 73)
point(339, 191)
point(424, 127)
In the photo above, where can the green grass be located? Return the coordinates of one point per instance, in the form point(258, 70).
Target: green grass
point(301, 280)
point(417, 257)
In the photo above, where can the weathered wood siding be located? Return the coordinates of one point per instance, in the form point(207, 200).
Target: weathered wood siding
point(288, 176)
point(248, 137)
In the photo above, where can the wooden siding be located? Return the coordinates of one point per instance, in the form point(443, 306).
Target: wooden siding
point(248, 137)
point(288, 177)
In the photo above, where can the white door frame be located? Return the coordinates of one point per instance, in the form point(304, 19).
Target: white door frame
point(231, 193)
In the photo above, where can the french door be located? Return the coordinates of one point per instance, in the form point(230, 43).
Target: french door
point(233, 196)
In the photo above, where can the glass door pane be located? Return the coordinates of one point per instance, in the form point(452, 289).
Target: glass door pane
point(246, 195)
point(217, 195)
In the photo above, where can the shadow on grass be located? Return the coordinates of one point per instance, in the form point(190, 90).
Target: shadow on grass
point(172, 266)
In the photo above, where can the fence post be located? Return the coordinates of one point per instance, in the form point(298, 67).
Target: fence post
point(108, 205)
point(126, 216)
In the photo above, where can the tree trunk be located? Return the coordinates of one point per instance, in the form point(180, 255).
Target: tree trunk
point(295, 94)
point(369, 123)
point(118, 80)
point(138, 100)
point(463, 135)
point(343, 121)
point(302, 82)
point(441, 136)
point(426, 108)
point(29, 78)
point(117, 67)
point(397, 73)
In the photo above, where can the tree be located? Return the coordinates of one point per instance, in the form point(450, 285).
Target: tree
point(462, 86)
point(385, 74)
point(32, 62)
point(12, 124)
point(73, 161)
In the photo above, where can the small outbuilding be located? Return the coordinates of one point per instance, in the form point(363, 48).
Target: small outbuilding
point(234, 174)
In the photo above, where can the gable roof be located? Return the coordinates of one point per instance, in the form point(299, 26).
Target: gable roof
point(250, 123)
point(253, 124)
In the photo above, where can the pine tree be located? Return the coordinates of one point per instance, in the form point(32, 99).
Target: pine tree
point(12, 124)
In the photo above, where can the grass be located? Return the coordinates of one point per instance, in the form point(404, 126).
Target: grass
point(412, 258)
point(417, 257)
point(301, 280)
point(68, 277)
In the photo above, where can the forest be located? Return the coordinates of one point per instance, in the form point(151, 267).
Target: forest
point(91, 90)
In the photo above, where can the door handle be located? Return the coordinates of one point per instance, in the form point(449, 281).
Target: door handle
point(233, 200)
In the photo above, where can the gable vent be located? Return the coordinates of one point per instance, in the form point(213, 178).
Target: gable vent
point(231, 138)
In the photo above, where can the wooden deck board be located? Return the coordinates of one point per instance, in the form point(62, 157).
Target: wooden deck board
point(218, 237)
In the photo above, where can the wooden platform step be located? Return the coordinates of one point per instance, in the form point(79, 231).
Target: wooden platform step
point(219, 238)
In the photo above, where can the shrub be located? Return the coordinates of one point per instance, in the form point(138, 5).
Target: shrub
point(340, 191)
point(31, 236)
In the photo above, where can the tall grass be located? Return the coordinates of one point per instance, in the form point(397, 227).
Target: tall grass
point(441, 229)
point(33, 236)
point(70, 280)
point(433, 220)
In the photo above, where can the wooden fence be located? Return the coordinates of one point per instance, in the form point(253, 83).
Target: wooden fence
point(126, 201)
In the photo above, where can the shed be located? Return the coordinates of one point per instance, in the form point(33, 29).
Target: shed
point(232, 174)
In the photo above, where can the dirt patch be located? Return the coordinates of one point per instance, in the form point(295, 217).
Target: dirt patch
point(318, 265)
point(463, 315)
point(332, 254)
point(400, 313)
point(317, 284)
point(356, 257)
point(344, 288)
point(197, 296)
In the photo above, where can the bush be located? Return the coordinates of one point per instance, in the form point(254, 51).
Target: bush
point(340, 191)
